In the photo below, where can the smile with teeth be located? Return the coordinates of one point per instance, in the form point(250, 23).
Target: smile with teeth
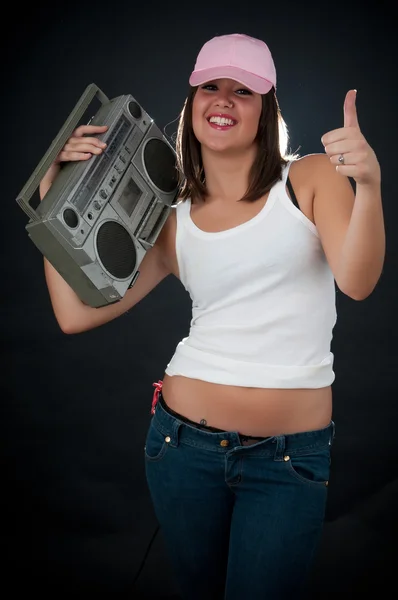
point(222, 121)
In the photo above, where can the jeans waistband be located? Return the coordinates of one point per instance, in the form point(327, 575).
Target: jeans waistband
point(200, 425)
point(177, 431)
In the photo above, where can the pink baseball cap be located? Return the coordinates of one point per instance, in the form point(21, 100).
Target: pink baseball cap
point(239, 57)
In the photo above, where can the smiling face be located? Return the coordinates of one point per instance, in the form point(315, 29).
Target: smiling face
point(225, 115)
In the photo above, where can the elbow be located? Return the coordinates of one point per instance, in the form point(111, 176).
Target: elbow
point(357, 295)
point(358, 292)
point(68, 327)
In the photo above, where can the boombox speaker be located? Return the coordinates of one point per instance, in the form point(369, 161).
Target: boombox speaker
point(101, 216)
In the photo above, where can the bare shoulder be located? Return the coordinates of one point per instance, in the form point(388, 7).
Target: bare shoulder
point(308, 169)
point(315, 178)
point(303, 175)
point(316, 171)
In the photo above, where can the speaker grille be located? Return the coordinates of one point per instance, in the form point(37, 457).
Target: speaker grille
point(116, 250)
point(160, 164)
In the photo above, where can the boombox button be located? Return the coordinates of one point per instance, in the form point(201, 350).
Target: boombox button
point(103, 194)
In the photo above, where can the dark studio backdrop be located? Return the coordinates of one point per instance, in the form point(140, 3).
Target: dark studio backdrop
point(76, 513)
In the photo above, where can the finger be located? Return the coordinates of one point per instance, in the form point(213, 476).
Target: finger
point(341, 147)
point(82, 147)
point(71, 156)
point(350, 158)
point(350, 110)
point(347, 170)
point(86, 141)
point(337, 135)
point(84, 129)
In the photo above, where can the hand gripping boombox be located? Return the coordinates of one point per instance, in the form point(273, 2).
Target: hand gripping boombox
point(101, 216)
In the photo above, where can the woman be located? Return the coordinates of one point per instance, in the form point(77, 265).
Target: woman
point(238, 449)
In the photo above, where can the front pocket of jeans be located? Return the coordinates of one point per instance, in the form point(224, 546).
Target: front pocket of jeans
point(311, 467)
point(155, 444)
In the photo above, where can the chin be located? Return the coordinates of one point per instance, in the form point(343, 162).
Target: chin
point(225, 148)
point(219, 147)
point(217, 144)
point(224, 142)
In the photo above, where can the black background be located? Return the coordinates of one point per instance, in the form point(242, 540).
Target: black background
point(76, 513)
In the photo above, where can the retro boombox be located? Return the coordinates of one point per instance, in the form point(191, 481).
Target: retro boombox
point(101, 216)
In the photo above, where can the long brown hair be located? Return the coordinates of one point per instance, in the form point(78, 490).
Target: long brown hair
point(272, 138)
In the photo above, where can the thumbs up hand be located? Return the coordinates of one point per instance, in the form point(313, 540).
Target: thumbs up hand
point(348, 149)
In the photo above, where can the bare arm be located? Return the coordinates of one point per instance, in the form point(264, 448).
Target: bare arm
point(72, 314)
point(351, 225)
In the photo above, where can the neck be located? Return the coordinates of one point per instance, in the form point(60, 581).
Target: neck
point(227, 174)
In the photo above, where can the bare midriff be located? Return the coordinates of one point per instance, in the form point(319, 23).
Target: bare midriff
point(250, 411)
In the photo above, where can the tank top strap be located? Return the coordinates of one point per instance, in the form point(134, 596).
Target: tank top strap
point(285, 172)
point(183, 209)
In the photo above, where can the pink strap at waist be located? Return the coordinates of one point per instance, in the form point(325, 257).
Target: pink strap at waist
point(158, 386)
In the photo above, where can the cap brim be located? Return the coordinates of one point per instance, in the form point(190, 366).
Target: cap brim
point(253, 82)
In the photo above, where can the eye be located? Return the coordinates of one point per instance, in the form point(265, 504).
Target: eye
point(243, 92)
point(211, 87)
point(208, 86)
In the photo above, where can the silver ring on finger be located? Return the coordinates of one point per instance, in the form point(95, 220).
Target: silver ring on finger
point(341, 159)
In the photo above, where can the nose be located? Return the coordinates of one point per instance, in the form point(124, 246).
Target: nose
point(224, 99)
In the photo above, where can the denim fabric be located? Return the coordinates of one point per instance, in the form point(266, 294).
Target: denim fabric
point(239, 522)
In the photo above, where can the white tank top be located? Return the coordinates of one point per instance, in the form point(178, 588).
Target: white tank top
point(263, 300)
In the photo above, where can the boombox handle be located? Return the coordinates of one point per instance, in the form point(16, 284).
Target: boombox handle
point(57, 144)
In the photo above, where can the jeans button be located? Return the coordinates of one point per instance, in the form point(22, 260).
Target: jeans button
point(224, 443)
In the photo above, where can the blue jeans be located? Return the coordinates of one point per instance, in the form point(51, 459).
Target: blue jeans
point(239, 522)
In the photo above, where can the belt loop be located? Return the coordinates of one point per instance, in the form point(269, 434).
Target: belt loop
point(174, 437)
point(280, 447)
point(333, 433)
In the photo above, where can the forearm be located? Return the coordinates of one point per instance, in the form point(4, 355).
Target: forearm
point(48, 179)
point(67, 306)
point(363, 250)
